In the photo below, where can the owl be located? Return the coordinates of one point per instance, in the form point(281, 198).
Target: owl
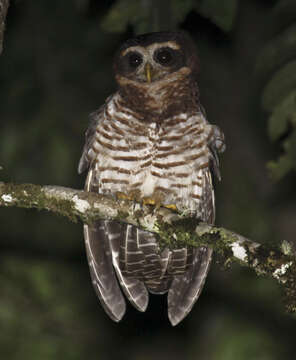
point(151, 142)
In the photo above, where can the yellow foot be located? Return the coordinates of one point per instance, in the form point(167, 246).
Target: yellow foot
point(134, 196)
point(123, 196)
point(149, 201)
point(171, 207)
point(158, 203)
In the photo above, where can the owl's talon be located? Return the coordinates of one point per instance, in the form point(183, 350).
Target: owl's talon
point(149, 201)
point(123, 196)
point(171, 207)
point(158, 204)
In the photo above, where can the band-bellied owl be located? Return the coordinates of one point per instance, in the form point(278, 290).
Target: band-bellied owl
point(151, 140)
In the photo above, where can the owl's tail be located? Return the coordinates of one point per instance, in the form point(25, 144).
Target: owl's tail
point(102, 272)
point(186, 288)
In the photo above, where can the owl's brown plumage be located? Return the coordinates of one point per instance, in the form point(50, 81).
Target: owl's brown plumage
point(151, 138)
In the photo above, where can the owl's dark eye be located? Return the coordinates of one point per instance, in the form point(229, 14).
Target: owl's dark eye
point(165, 56)
point(135, 59)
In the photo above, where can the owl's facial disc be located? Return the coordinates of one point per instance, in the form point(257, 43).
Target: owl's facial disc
point(151, 63)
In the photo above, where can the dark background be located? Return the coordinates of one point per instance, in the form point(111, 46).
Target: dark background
point(55, 69)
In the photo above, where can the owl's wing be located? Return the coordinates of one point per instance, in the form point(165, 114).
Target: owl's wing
point(186, 288)
point(99, 255)
point(95, 118)
point(97, 244)
point(124, 248)
point(104, 241)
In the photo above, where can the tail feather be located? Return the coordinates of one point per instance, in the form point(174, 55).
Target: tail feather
point(186, 288)
point(156, 262)
point(101, 270)
point(134, 289)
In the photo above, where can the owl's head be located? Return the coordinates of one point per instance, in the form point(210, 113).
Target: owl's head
point(155, 56)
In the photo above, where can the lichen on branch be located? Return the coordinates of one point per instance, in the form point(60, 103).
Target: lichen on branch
point(173, 229)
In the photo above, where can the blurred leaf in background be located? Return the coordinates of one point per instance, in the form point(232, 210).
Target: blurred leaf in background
point(222, 13)
point(276, 69)
point(154, 15)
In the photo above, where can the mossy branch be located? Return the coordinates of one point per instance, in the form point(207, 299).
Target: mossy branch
point(173, 229)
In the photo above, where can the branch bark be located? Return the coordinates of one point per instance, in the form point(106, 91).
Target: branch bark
point(3, 11)
point(173, 229)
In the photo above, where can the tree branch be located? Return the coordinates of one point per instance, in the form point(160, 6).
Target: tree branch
point(173, 229)
point(3, 11)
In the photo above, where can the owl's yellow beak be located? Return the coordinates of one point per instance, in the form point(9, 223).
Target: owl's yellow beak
point(148, 72)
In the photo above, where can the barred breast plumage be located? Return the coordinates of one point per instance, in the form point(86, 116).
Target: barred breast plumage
point(167, 158)
point(162, 153)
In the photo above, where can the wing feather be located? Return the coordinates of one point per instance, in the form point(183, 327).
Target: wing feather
point(186, 288)
point(100, 264)
point(101, 270)
point(95, 117)
point(134, 289)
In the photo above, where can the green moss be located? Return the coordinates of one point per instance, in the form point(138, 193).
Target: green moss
point(290, 289)
point(62, 207)
point(182, 233)
point(32, 196)
point(122, 215)
point(178, 234)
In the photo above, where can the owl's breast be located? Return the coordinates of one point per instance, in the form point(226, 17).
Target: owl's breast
point(180, 158)
point(164, 162)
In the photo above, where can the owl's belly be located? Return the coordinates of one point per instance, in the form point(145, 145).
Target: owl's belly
point(149, 184)
point(180, 185)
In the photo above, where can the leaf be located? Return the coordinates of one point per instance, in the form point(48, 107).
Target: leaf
point(276, 66)
point(276, 53)
point(179, 10)
point(278, 169)
point(290, 147)
point(146, 16)
point(280, 86)
point(222, 13)
point(285, 163)
point(124, 12)
point(282, 115)
point(156, 15)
